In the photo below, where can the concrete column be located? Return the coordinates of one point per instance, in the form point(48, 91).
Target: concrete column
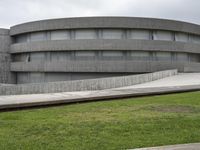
point(5, 58)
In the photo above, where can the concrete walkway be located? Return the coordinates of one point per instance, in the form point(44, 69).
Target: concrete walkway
point(193, 146)
point(179, 83)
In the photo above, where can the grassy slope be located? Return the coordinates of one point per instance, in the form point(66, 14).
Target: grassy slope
point(121, 124)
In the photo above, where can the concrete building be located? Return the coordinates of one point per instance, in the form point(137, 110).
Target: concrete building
point(93, 47)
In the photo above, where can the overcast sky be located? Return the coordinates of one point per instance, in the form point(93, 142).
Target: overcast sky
point(19, 11)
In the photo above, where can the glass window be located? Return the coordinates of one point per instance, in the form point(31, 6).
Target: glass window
point(181, 37)
point(37, 57)
point(38, 36)
point(57, 56)
point(22, 77)
point(21, 38)
point(112, 53)
point(85, 34)
point(60, 35)
point(137, 55)
point(194, 57)
point(24, 57)
point(112, 34)
point(53, 77)
point(195, 39)
point(139, 34)
point(36, 77)
point(182, 57)
point(166, 56)
point(84, 53)
point(163, 35)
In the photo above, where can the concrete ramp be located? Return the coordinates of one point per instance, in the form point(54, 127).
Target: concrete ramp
point(172, 84)
point(84, 85)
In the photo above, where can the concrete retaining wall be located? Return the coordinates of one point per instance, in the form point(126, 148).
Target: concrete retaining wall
point(82, 85)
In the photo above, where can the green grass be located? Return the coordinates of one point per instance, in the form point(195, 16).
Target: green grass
point(117, 124)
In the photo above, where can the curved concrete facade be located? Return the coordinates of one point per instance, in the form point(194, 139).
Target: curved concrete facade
point(93, 47)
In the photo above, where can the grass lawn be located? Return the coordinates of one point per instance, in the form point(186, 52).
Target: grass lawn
point(117, 124)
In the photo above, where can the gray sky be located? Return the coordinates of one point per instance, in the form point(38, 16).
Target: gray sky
point(19, 11)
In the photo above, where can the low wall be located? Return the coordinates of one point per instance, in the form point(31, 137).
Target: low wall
point(83, 85)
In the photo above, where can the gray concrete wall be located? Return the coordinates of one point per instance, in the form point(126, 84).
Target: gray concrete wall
point(39, 77)
point(5, 58)
point(35, 39)
point(82, 85)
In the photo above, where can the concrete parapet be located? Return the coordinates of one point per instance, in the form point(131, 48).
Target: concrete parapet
point(105, 22)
